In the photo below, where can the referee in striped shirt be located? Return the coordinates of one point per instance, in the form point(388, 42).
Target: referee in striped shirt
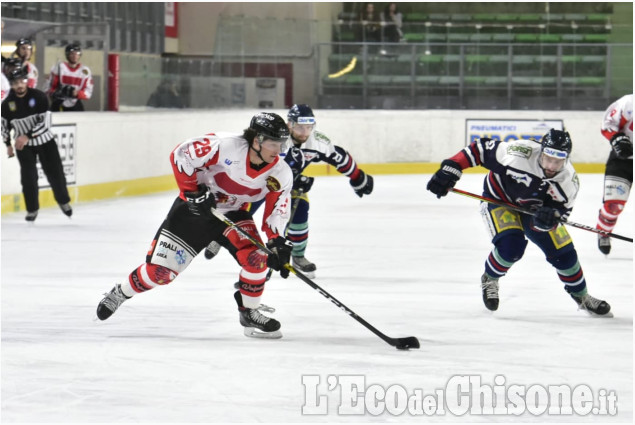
point(25, 111)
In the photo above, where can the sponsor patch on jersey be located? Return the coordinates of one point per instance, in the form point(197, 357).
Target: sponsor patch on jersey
point(12, 106)
point(521, 151)
point(519, 177)
point(321, 137)
point(273, 184)
point(32, 103)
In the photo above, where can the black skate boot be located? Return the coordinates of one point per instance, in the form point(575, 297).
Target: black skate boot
point(604, 244)
point(592, 305)
point(255, 323)
point(66, 209)
point(111, 303)
point(212, 250)
point(489, 287)
point(304, 266)
point(31, 216)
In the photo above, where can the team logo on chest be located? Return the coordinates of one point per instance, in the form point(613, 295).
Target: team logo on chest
point(273, 184)
point(519, 177)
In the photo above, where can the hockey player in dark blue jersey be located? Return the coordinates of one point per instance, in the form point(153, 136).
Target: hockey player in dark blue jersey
point(532, 175)
point(314, 146)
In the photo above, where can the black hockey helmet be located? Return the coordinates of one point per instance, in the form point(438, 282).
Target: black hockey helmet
point(11, 63)
point(23, 41)
point(19, 73)
point(557, 144)
point(301, 114)
point(73, 47)
point(268, 125)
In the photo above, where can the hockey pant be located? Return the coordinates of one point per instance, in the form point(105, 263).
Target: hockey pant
point(51, 162)
point(510, 230)
point(183, 235)
point(618, 180)
point(298, 232)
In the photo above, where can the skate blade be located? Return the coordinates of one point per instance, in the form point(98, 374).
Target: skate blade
point(257, 333)
point(608, 315)
point(310, 275)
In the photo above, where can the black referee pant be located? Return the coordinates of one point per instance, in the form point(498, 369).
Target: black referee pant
point(51, 165)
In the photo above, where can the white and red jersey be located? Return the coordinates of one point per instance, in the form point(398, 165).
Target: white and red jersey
point(618, 118)
point(221, 162)
point(65, 74)
point(6, 86)
point(32, 75)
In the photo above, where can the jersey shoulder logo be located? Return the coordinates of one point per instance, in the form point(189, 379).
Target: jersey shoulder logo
point(321, 137)
point(521, 151)
point(273, 184)
point(85, 71)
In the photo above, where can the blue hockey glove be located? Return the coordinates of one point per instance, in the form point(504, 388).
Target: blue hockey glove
point(445, 178)
point(622, 146)
point(280, 255)
point(201, 202)
point(545, 219)
point(363, 185)
point(295, 159)
point(303, 182)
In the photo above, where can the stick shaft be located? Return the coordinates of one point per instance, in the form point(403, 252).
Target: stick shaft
point(526, 211)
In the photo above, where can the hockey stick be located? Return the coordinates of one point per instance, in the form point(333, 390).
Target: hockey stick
point(399, 343)
point(526, 211)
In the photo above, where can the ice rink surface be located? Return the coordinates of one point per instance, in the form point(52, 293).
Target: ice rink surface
point(403, 260)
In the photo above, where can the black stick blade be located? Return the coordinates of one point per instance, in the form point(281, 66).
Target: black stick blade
point(407, 343)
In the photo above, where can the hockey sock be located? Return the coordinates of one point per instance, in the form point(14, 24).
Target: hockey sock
point(569, 271)
point(146, 277)
point(298, 234)
point(609, 212)
point(496, 266)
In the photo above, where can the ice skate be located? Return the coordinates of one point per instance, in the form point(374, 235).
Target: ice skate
point(592, 305)
point(111, 303)
point(604, 244)
point(255, 323)
point(66, 209)
point(490, 292)
point(304, 266)
point(31, 216)
point(212, 250)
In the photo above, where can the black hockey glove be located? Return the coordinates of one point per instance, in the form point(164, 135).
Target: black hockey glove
point(622, 146)
point(63, 92)
point(303, 183)
point(363, 185)
point(280, 255)
point(545, 219)
point(201, 202)
point(445, 178)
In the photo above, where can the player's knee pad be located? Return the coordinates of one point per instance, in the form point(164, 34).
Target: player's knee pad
point(564, 260)
point(511, 247)
point(614, 207)
point(301, 214)
point(148, 276)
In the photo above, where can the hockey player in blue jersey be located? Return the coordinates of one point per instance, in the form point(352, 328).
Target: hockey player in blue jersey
point(315, 146)
point(531, 175)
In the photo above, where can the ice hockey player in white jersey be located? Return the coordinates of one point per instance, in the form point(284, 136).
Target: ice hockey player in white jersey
point(226, 172)
point(24, 52)
point(617, 128)
point(69, 82)
point(532, 175)
point(315, 146)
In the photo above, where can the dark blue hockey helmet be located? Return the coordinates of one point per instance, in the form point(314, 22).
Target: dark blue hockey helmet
point(268, 125)
point(301, 114)
point(557, 144)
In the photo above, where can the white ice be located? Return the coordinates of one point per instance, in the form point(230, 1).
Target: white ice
point(403, 260)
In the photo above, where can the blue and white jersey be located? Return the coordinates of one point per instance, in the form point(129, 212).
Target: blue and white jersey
point(516, 176)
